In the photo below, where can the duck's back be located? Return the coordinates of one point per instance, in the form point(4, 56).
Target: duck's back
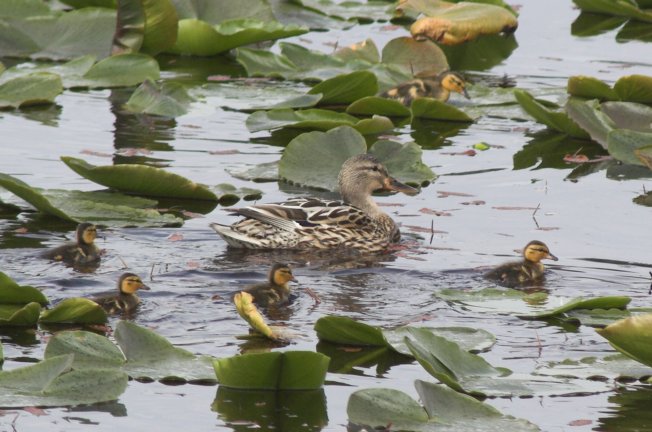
point(516, 273)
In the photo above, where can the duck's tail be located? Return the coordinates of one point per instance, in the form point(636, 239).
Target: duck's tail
point(234, 238)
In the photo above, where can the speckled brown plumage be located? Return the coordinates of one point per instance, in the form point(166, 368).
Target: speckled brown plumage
point(432, 86)
point(82, 251)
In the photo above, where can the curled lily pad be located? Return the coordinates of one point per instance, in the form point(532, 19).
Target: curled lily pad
point(151, 356)
point(25, 315)
point(455, 23)
point(247, 310)
point(289, 370)
point(145, 25)
point(433, 109)
point(555, 120)
point(14, 294)
point(33, 89)
point(140, 179)
point(74, 310)
point(51, 383)
point(170, 99)
point(631, 88)
point(590, 118)
point(312, 119)
point(631, 336)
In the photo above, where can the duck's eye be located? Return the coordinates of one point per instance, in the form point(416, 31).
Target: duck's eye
point(375, 168)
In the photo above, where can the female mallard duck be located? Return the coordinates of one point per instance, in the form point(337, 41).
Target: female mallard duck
point(311, 223)
point(427, 85)
point(524, 272)
point(126, 300)
point(276, 290)
point(82, 251)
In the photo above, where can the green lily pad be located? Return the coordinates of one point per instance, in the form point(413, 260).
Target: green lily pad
point(330, 149)
point(555, 120)
point(644, 154)
point(98, 207)
point(170, 99)
point(375, 105)
point(33, 89)
point(90, 349)
point(597, 317)
point(616, 366)
point(75, 310)
point(592, 24)
point(347, 88)
point(312, 119)
point(197, 37)
point(51, 383)
point(140, 179)
point(620, 8)
point(26, 315)
point(590, 118)
point(264, 172)
point(149, 26)
point(590, 88)
point(152, 356)
point(455, 23)
point(433, 109)
point(78, 4)
point(566, 304)
point(469, 339)
point(289, 370)
point(444, 410)
point(363, 11)
point(347, 331)
point(414, 56)
point(623, 143)
point(13, 294)
point(631, 88)
point(631, 336)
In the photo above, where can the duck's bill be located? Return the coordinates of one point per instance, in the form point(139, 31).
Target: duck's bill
point(466, 93)
point(552, 257)
point(144, 287)
point(394, 185)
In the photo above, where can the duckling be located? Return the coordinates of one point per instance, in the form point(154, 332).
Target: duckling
point(428, 85)
point(356, 222)
point(126, 300)
point(82, 251)
point(525, 272)
point(276, 290)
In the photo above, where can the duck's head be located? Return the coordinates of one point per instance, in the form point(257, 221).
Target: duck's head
point(452, 81)
point(363, 174)
point(86, 233)
point(129, 283)
point(280, 274)
point(536, 251)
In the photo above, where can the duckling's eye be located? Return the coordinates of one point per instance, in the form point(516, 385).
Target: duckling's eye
point(375, 168)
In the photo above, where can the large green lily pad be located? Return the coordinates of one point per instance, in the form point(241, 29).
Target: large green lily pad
point(623, 144)
point(151, 356)
point(32, 89)
point(444, 410)
point(74, 310)
point(98, 207)
point(289, 370)
point(141, 179)
point(51, 383)
point(90, 349)
point(26, 315)
point(346, 88)
point(631, 336)
point(328, 150)
point(630, 88)
point(563, 305)
point(555, 120)
point(170, 99)
point(620, 8)
point(363, 11)
point(14, 294)
point(433, 109)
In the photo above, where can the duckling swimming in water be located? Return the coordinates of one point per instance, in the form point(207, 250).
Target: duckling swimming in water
point(82, 251)
point(276, 290)
point(428, 85)
point(525, 272)
point(126, 300)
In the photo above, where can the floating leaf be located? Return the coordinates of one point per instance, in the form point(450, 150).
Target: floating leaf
point(347, 331)
point(621, 8)
point(433, 109)
point(452, 24)
point(154, 357)
point(414, 56)
point(565, 305)
point(33, 89)
point(623, 143)
point(90, 350)
point(318, 119)
point(124, 70)
point(49, 383)
point(375, 105)
point(12, 293)
point(75, 310)
point(249, 312)
point(631, 88)
point(264, 172)
point(363, 11)
point(170, 99)
point(140, 179)
point(631, 336)
point(615, 366)
point(403, 161)
point(347, 88)
point(590, 88)
point(555, 120)
point(590, 118)
point(289, 370)
point(469, 339)
point(19, 315)
point(161, 26)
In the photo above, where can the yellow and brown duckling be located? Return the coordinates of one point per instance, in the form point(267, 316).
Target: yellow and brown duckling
point(356, 222)
point(82, 251)
point(276, 290)
point(525, 272)
point(126, 300)
point(429, 85)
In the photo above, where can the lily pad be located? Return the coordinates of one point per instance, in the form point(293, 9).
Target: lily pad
point(363, 11)
point(151, 356)
point(620, 8)
point(630, 88)
point(330, 149)
point(555, 120)
point(469, 339)
point(347, 331)
point(347, 88)
point(565, 305)
point(100, 208)
point(75, 310)
point(170, 99)
point(414, 56)
point(616, 366)
point(444, 410)
point(590, 118)
point(51, 383)
point(33, 89)
point(12, 293)
point(90, 349)
point(312, 119)
point(623, 143)
point(375, 105)
point(433, 109)
point(149, 26)
point(140, 179)
point(631, 336)
point(455, 23)
point(264, 172)
point(12, 315)
point(289, 370)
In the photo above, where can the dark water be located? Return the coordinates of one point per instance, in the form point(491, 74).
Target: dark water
point(601, 237)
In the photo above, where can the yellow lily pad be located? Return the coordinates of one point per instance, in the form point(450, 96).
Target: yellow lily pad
point(249, 312)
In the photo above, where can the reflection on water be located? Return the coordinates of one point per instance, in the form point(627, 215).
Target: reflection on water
point(630, 411)
point(354, 359)
point(294, 410)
